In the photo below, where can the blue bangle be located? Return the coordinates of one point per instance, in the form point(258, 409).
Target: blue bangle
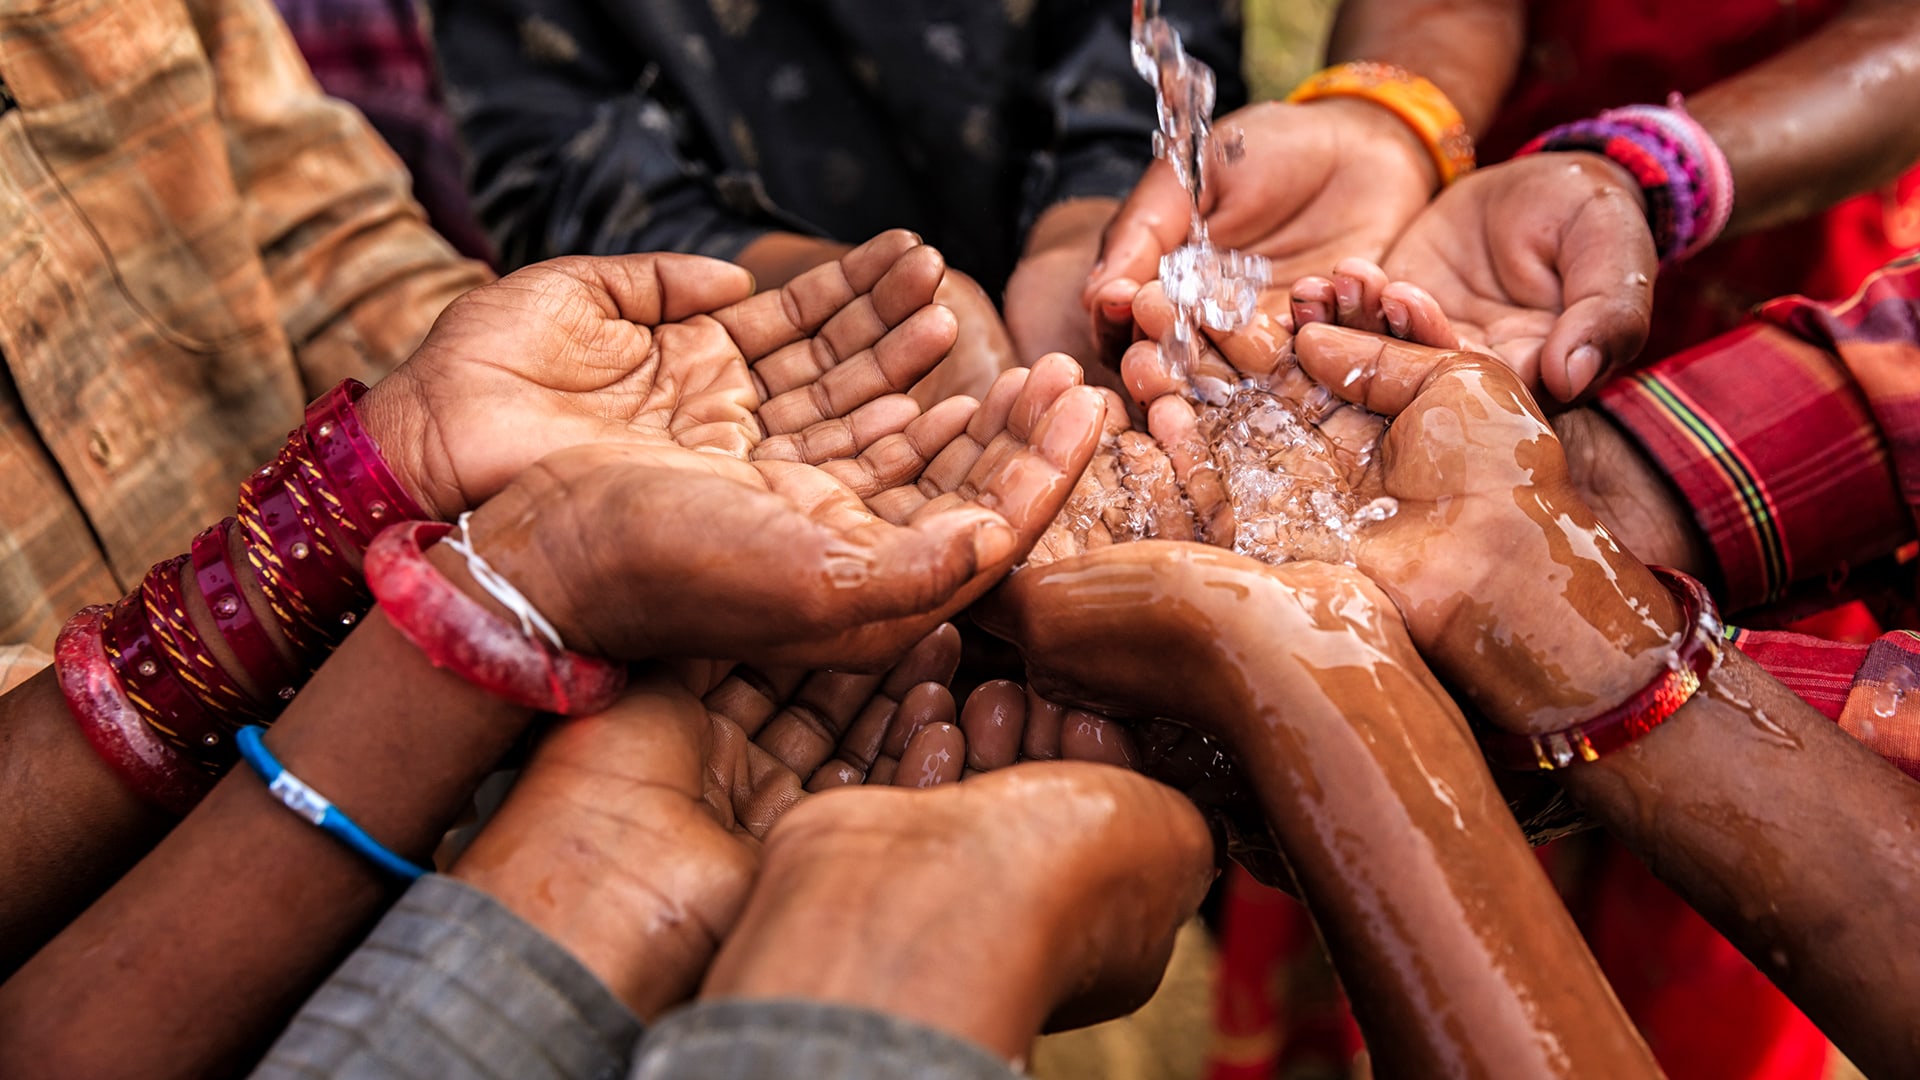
point(310, 804)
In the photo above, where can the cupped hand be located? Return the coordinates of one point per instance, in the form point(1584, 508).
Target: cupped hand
point(655, 349)
point(982, 346)
point(1507, 580)
point(1316, 182)
point(1544, 261)
point(641, 551)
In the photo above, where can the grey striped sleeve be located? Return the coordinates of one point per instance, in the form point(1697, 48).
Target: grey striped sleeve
point(777, 1039)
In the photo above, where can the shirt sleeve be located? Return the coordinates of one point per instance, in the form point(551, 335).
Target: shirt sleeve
point(1775, 446)
point(571, 148)
point(1871, 691)
point(453, 986)
point(749, 1040)
point(1102, 112)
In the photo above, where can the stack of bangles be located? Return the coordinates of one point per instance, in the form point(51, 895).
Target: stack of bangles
point(1695, 654)
point(168, 714)
point(1683, 175)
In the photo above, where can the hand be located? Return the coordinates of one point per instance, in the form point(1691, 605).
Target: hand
point(1318, 181)
point(658, 350)
point(641, 551)
point(1544, 261)
point(632, 836)
point(981, 350)
point(1507, 580)
point(1044, 312)
point(1630, 495)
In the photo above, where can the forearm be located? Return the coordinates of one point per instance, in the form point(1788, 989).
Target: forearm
point(1792, 839)
point(1826, 119)
point(200, 952)
point(1457, 953)
point(1470, 49)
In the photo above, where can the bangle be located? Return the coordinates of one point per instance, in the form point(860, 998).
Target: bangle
point(149, 681)
point(359, 492)
point(163, 598)
point(150, 768)
point(1684, 178)
point(234, 617)
point(1418, 103)
point(307, 582)
point(457, 634)
point(1694, 656)
point(296, 796)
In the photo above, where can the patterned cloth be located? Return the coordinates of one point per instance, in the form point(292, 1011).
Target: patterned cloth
point(698, 125)
point(193, 242)
point(1582, 57)
point(1796, 442)
point(373, 55)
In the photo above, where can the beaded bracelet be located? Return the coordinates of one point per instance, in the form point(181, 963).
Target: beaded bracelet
point(1696, 654)
point(317, 809)
point(1683, 175)
point(1419, 104)
point(459, 635)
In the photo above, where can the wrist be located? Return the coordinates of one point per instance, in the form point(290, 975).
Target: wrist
point(1397, 143)
point(397, 417)
point(1071, 223)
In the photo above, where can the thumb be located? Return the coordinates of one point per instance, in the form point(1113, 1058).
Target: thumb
point(1153, 221)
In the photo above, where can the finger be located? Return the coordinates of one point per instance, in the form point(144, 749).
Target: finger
point(1041, 741)
point(936, 755)
point(1150, 375)
point(779, 318)
point(922, 707)
point(892, 366)
point(1413, 314)
point(1153, 221)
point(1313, 301)
point(1028, 481)
point(1175, 426)
point(1265, 343)
point(1357, 288)
point(805, 731)
point(858, 325)
point(651, 288)
point(749, 696)
point(1607, 266)
point(995, 722)
point(1086, 736)
point(1378, 372)
point(927, 668)
point(885, 473)
point(949, 469)
point(839, 438)
point(1112, 315)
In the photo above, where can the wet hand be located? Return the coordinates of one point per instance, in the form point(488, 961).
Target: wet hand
point(1544, 261)
point(1318, 181)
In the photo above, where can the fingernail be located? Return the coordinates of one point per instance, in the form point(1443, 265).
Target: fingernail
point(1582, 366)
point(1346, 293)
point(993, 542)
point(1397, 318)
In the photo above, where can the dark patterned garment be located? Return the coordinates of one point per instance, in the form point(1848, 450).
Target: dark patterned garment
point(605, 126)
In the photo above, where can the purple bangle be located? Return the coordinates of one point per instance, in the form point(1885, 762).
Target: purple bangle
point(243, 633)
point(150, 683)
point(359, 490)
point(150, 768)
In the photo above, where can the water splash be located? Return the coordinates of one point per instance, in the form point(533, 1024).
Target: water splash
point(1208, 286)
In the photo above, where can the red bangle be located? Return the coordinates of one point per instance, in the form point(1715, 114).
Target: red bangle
point(243, 633)
point(1696, 653)
point(307, 584)
point(151, 769)
point(360, 493)
point(163, 596)
point(458, 634)
point(149, 681)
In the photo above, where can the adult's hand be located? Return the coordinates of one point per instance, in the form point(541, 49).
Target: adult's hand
point(1317, 181)
point(655, 350)
point(1044, 312)
point(1544, 261)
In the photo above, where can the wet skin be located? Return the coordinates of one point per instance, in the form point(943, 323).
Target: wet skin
point(1452, 943)
point(1093, 869)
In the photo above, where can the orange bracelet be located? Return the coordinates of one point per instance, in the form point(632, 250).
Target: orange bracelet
point(1417, 102)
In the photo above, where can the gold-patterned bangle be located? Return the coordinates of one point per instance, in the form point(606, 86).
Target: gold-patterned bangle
point(1413, 99)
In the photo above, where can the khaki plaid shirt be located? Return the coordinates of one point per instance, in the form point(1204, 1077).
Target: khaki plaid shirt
point(194, 241)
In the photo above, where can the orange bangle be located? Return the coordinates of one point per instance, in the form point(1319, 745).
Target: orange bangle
point(1417, 102)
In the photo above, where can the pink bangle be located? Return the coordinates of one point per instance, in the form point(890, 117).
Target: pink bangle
point(151, 769)
point(163, 597)
point(458, 634)
point(306, 583)
point(1696, 653)
point(243, 633)
point(149, 681)
point(360, 493)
